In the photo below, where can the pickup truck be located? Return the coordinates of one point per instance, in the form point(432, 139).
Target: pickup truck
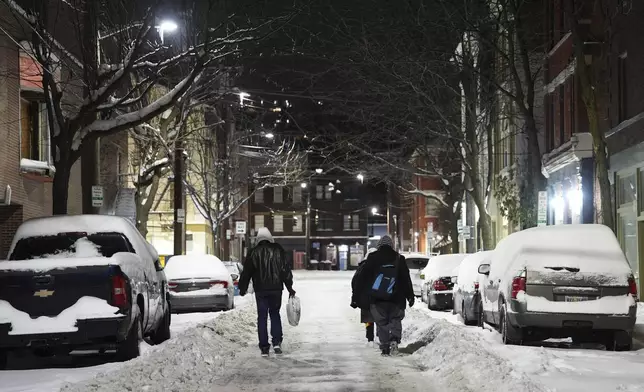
point(85, 282)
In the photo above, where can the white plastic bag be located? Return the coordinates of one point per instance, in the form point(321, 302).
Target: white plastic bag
point(293, 310)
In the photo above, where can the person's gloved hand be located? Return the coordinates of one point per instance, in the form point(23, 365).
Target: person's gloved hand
point(412, 301)
point(291, 293)
point(242, 293)
point(354, 305)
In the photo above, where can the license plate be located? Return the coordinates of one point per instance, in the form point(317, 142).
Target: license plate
point(575, 298)
point(193, 288)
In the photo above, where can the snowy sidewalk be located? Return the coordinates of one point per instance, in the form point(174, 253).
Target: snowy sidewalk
point(326, 352)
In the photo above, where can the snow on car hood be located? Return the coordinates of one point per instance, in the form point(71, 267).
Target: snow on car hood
point(84, 308)
point(197, 266)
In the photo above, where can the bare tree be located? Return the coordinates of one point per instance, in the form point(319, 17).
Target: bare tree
point(92, 93)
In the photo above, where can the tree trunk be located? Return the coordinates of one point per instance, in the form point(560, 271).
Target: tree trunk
point(60, 187)
point(533, 179)
point(143, 207)
point(453, 229)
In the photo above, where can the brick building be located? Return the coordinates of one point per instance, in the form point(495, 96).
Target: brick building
point(26, 161)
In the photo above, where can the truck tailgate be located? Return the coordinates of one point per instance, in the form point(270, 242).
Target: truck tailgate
point(48, 293)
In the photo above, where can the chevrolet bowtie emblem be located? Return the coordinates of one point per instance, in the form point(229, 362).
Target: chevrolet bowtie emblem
point(43, 293)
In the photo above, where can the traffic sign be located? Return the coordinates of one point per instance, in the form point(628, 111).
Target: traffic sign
point(240, 227)
point(97, 196)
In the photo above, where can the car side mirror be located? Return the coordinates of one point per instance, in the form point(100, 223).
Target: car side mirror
point(158, 265)
point(234, 276)
point(484, 269)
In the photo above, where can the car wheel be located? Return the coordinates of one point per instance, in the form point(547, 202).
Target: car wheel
point(130, 347)
point(619, 341)
point(466, 321)
point(509, 334)
point(163, 332)
point(232, 304)
point(4, 359)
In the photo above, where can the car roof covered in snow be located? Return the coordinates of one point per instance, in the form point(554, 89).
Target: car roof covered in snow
point(592, 248)
point(414, 255)
point(90, 224)
point(468, 271)
point(196, 266)
point(443, 265)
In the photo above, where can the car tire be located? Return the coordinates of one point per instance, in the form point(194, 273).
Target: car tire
point(4, 359)
point(466, 320)
point(509, 334)
point(232, 304)
point(619, 341)
point(130, 347)
point(163, 333)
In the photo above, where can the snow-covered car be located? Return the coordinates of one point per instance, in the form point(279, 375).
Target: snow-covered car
point(467, 298)
point(416, 263)
point(199, 283)
point(561, 281)
point(438, 280)
point(81, 282)
point(235, 268)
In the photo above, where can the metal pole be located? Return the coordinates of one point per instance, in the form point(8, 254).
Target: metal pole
point(179, 209)
point(307, 241)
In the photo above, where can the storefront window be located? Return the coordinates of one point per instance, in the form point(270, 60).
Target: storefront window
point(627, 188)
point(558, 205)
point(628, 240)
point(641, 187)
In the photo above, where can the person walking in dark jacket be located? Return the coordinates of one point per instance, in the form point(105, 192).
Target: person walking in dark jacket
point(387, 268)
point(267, 266)
point(361, 300)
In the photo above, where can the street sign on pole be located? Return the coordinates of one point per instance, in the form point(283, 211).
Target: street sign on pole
point(181, 215)
point(542, 214)
point(229, 234)
point(97, 196)
point(240, 227)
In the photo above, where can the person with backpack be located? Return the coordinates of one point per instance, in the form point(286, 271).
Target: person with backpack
point(385, 276)
point(267, 266)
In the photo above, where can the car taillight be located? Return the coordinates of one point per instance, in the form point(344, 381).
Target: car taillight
point(632, 287)
point(476, 285)
point(172, 286)
point(439, 286)
point(119, 291)
point(518, 284)
point(236, 283)
point(213, 283)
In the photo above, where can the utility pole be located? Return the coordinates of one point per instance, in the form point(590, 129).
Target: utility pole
point(307, 241)
point(90, 168)
point(179, 199)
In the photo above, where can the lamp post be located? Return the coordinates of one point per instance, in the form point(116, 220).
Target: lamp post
point(307, 239)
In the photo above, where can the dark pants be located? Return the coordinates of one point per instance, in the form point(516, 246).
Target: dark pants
point(388, 317)
point(269, 302)
point(369, 327)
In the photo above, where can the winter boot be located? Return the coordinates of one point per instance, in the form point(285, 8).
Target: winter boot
point(369, 330)
point(265, 351)
point(277, 349)
point(393, 348)
point(385, 350)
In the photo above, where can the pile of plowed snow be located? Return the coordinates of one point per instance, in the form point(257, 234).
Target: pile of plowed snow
point(461, 359)
point(193, 361)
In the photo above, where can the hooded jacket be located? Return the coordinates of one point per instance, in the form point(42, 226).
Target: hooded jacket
point(366, 274)
point(266, 265)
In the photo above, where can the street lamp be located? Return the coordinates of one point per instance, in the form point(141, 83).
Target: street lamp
point(269, 135)
point(166, 26)
point(303, 185)
point(318, 170)
point(374, 210)
point(360, 177)
point(242, 96)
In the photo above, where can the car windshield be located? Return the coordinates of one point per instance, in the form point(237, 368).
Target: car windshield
point(71, 245)
point(232, 268)
point(416, 263)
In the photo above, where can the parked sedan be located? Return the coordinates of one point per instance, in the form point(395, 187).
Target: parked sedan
point(235, 268)
point(199, 283)
point(467, 297)
point(416, 262)
point(438, 280)
point(561, 281)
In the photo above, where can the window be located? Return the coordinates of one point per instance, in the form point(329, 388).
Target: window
point(328, 191)
point(259, 196)
point(347, 222)
point(259, 221)
point(627, 233)
point(189, 242)
point(627, 189)
point(319, 191)
point(297, 194)
point(323, 223)
point(562, 117)
point(297, 223)
point(355, 222)
point(34, 131)
point(278, 194)
point(429, 207)
point(622, 97)
point(278, 223)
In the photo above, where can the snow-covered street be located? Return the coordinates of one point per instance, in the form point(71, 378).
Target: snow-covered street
point(328, 352)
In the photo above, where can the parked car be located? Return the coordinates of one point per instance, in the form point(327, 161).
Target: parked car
point(561, 281)
point(235, 268)
point(467, 298)
point(416, 263)
point(199, 283)
point(81, 282)
point(438, 280)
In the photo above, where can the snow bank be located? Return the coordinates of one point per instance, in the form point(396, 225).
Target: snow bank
point(605, 305)
point(443, 265)
point(196, 266)
point(84, 308)
point(193, 361)
point(461, 359)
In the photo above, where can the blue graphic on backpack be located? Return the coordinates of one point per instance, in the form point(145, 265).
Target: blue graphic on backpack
point(385, 282)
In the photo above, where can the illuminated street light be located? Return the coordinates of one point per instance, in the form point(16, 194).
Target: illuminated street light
point(360, 177)
point(416, 234)
point(269, 135)
point(303, 185)
point(318, 170)
point(374, 210)
point(166, 26)
point(242, 96)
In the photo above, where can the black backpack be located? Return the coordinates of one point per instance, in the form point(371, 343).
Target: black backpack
point(384, 284)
